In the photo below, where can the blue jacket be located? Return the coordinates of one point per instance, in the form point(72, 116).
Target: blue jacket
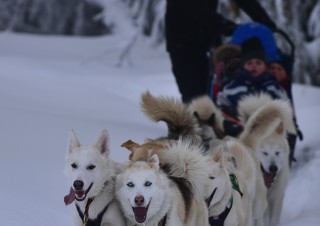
point(243, 84)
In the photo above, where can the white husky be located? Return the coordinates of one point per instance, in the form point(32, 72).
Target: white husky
point(92, 178)
point(233, 182)
point(273, 151)
point(150, 197)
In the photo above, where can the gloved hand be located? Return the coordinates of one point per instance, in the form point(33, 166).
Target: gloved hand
point(227, 27)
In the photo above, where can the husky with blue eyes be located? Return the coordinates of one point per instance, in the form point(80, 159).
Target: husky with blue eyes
point(92, 178)
point(273, 119)
point(149, 197)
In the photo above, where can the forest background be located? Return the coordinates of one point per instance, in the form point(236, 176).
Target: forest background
point(300, 19)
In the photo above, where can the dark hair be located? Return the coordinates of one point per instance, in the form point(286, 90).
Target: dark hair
point(286, 62)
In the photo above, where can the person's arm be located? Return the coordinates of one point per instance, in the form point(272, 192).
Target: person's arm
point(227, 26)
point(275, 90)
point(256, 12)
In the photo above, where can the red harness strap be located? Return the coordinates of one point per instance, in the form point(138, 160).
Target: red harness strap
point(232, 119)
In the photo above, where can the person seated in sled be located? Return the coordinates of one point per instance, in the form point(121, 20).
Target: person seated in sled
point(253, 77)
point(277, 69)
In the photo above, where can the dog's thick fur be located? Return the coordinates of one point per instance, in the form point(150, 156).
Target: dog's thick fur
point(273, 151)
point(182, 159)
point(206, 108)
point(91, 173)
point(200, 121)
point(232, 158)
point(180, 122)
point(149, 196)
point(178, 158)
point(210, 120)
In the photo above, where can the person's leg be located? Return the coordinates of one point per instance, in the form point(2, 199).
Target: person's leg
point(191, 72)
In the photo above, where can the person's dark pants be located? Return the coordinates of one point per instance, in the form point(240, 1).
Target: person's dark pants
point(191, 72)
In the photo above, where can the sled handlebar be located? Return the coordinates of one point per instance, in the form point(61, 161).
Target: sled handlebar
point(287, 39)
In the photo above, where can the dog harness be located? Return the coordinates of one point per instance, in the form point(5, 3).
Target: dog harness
point(219, 220)
point(163, 221)
point(86, 221)
point(235, 183)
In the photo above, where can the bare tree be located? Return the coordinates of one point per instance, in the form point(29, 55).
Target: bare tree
point(140, 16)
point(16, 14)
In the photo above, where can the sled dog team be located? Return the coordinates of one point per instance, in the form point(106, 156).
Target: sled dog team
point(194, 176)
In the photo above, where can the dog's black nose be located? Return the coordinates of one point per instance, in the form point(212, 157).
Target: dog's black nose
point(78, 184)
point(273, 169)
point(139, 200)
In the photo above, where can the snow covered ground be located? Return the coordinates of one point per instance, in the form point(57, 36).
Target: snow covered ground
point(49, 85)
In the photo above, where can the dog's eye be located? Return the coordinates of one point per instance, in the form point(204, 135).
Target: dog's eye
point(74, 166)
point(265, 153)
point(91, 167)
point(277, 153)
point(211, 178)
point(130, 185)
point(147, 184)
point(205, 140)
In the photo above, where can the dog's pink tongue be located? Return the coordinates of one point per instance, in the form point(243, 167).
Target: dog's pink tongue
point(68, 199)
point(268, 179)
point(140, 214)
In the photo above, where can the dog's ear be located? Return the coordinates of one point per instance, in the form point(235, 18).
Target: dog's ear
point(217, 154)
point(130, 145)
point(232, 161)
point(196, 115)
point(73, 141)
point(280, 128)
point(218, 157)
point(154, 161)
point(103, 143)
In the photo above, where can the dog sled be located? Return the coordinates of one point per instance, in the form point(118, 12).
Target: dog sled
point(224, 64)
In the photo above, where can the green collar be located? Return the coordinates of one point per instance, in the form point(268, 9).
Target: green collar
point(235, 184)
